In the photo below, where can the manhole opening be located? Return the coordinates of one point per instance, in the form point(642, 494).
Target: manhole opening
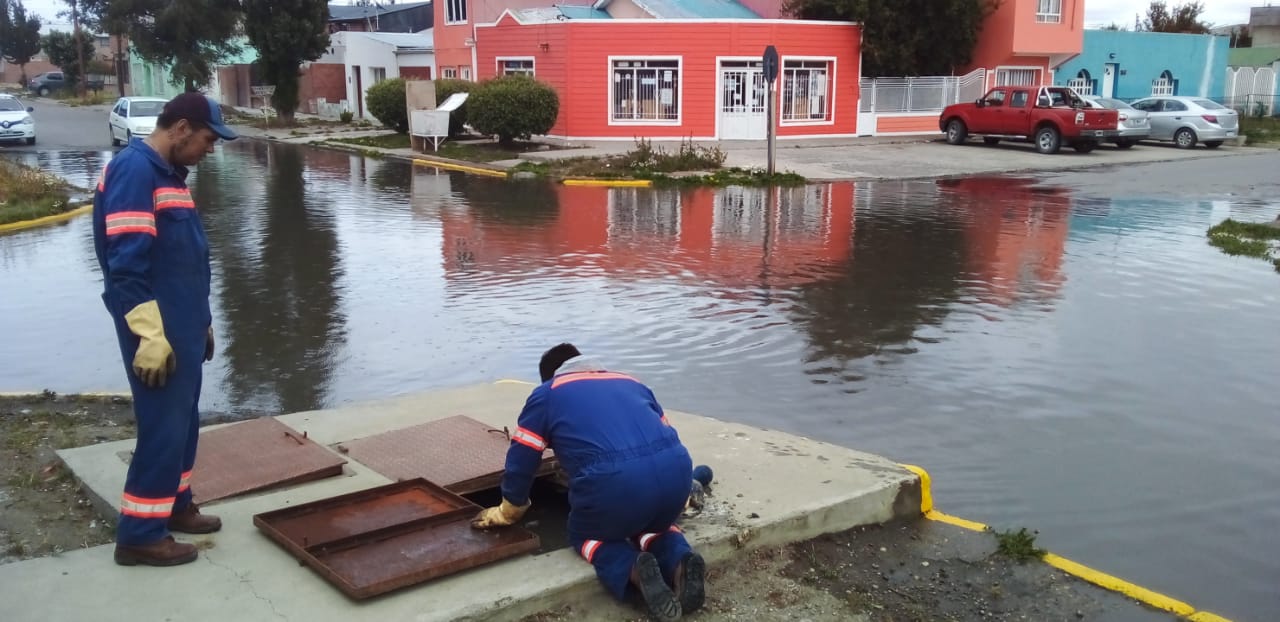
point(548, 516)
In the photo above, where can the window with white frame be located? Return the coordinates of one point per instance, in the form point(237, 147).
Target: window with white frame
point(1017, 77)
point(1163, 86)
point(450, 73)
point(379, 74)
point(455, 11)
point(466, 73)
point(645, 90)
point(1082, 83)
point(1049, 11)
point(515, 67)
point(805, 90)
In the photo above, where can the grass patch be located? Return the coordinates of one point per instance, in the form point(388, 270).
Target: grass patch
point(91, 98)
point(1248, 239)
point(381, 141)
point(27, 193)
point(1019, 545)
point(688, 165)
point(1260, 130)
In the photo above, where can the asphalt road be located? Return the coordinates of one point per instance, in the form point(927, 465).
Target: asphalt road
point(59, 126)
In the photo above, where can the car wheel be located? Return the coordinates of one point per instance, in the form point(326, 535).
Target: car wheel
point(1212, 144)
point(1184, 138)
point(1048, 140)
point(44, 91)
point(111, 131)
point(990, 140)
point(956, 132)
point(1084, 147)
point(1125, 144)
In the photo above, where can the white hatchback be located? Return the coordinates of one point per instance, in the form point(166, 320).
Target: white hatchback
point(16, 122)
point(134, 116)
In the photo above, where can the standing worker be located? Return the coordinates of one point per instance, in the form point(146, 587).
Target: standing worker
point(629, 479)
point(154, 257)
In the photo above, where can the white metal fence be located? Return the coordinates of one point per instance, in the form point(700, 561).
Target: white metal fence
point(1252, 90)
point(921, 93)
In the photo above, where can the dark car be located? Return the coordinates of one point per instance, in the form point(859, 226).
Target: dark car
point(51, 81)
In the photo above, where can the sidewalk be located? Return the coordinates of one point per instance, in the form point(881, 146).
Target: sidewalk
point(824, 160)
point(770, 489)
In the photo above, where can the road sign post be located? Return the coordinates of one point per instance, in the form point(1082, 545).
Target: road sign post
point(265, 92)
point(770, 62)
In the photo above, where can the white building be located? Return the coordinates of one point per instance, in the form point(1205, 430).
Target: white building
point(371, 57)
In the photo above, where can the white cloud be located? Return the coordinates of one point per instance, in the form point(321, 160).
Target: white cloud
point(1098, 13)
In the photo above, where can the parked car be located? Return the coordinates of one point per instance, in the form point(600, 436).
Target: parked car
point(16, 122)
point(1134, 125)
point(133, 116)
point(51, 81)
point(1050, 115)
point(1188, 120)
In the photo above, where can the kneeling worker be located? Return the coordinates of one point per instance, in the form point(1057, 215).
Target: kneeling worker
point(629, 479)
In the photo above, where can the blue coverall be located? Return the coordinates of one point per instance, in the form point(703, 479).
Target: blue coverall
point(151, 245)
point(629, 474)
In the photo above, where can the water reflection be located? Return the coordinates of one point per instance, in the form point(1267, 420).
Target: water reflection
point(281, 321)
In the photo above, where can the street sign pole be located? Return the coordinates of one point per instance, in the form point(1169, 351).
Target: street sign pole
point(770, 62)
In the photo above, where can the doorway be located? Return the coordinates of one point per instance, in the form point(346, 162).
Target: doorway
point(743, 115)
point(1109, 79)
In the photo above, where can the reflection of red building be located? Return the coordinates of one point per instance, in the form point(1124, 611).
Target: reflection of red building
point(1017, 235)
point(730, 236)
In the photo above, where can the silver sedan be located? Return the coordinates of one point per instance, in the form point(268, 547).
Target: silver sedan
point(1188, 120)
point(1133, 122)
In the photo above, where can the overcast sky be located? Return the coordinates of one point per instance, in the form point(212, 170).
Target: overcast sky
point(1097, 12)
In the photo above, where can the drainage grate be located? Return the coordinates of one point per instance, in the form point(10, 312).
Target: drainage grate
point(381, 539)
point(459, 453)
point(256, 455)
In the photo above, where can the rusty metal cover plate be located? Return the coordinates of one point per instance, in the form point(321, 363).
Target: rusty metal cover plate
point(459, 453)
point(256, 455)
point(382, 539)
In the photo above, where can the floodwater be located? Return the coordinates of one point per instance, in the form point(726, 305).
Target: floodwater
point(1064, 354)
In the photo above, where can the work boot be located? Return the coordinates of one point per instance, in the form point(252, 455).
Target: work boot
point(658, 597)
point(690, 586)
point(166, 552)
point(190, 520)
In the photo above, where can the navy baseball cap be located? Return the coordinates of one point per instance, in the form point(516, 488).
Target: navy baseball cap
point(200, 109)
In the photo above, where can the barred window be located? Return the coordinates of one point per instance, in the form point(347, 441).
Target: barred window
point(455, 11)
point(1163, 86)
point(805, 87)
point(646, 90)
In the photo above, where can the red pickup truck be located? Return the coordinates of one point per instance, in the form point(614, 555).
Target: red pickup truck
point(1050, 115)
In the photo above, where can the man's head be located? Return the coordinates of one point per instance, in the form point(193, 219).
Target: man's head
point(187, 129)
point(555, 357)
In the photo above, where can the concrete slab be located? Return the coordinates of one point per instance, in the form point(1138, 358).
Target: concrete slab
point(771, 488)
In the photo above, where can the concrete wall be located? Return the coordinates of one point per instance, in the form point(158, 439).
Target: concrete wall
point(1264, 25)
point(1198, 63)
point(363, 55)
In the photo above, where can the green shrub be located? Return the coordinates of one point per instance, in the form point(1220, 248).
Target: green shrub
point(457, 118)
point(512, 107)
point(345, 116)
point(386, 101)
point(690, 157)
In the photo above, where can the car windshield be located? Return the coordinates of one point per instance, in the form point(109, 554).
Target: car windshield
point(1115, 104)
point(145, 109)
point(10, 104)
point(1209, 104)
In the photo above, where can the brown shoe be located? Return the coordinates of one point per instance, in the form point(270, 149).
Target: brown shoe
point(166, 552)
point(191, 520)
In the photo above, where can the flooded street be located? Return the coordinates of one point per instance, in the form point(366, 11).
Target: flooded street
point(1065, 353)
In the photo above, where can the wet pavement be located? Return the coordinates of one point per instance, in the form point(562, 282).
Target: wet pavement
point(1064, 351)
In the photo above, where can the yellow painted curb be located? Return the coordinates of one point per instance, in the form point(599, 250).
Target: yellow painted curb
point(1141, 594)
point(610, 183)
point(47, 220)
point(460, 167)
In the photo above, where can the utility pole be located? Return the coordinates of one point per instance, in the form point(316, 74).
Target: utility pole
point(79, 39)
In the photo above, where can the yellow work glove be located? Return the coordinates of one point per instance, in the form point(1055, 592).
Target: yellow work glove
point(154, 360)
point(504, 515)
